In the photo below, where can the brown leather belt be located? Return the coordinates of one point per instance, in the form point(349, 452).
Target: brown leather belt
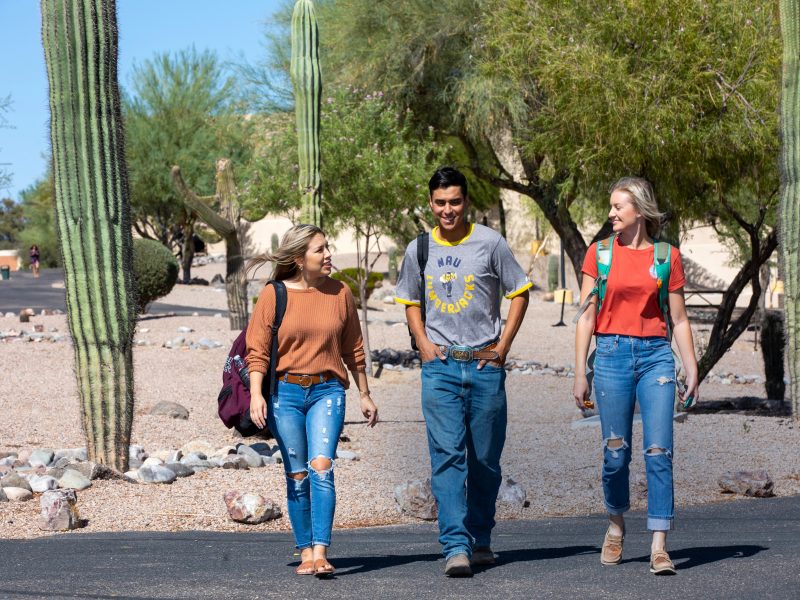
point(304, 381)
point(466, 354)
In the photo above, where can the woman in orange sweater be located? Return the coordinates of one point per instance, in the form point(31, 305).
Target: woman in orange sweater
point(319, 335)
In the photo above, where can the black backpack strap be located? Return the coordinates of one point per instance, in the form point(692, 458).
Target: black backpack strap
point(423, 242)
point(280, 310)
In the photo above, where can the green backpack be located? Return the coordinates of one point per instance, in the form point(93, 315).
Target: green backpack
point(661, 255)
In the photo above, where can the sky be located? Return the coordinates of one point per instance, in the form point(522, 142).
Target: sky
point(234, 29)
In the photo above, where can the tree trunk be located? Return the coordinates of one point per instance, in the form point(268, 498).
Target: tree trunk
point(362, 293)
point(790, 192)
point(226, 224)
point(93, 216)
point(772, 345)
point(187, 250)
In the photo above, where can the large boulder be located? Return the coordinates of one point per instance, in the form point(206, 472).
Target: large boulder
point(59, 511)
point(170, 409)
point(74, 480)
point(415, 498)
point(156, 474)
point(250, 508)
point(15, 480)
point(18, 494)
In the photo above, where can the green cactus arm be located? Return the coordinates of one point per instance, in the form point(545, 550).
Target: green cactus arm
point(307, 83)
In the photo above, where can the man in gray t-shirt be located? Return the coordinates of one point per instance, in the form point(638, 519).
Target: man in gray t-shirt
point(462, 349)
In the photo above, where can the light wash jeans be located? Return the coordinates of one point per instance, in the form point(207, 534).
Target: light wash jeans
point(307, 423)
point(628, 369)
point(465, 418)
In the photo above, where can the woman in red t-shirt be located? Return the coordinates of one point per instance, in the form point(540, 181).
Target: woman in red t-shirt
point(634, 362)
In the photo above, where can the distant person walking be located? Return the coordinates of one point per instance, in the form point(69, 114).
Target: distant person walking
point(34, 257)
point(469, 268)
point(633, 360)
point(319, 335)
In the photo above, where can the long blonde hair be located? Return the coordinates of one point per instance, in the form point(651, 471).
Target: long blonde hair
point(294, 244)
point(644, 201)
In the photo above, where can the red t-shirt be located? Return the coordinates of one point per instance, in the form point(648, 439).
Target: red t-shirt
point(630, 306)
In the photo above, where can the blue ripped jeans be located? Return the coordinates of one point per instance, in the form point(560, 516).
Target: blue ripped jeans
point(628, 369)
point(307, 423)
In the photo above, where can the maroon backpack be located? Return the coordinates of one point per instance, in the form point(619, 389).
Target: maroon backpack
point(234, 397)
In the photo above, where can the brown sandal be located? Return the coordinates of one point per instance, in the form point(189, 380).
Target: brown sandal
point(611, 554)
point(305, 568)
point(322, 568)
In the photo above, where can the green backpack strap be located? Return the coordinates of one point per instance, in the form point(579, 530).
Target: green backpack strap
point(661, 263)
point(603, 251)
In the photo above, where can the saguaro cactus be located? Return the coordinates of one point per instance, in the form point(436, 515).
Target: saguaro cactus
point(790, 192)
point(93, 216)
point(307, 83)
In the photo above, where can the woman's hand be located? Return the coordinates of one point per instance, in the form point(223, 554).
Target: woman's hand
point(369, 410)
point(580, 391)
point(692, 391)
point(258, 410)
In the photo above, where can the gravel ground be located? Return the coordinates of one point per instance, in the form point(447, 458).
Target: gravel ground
point(557, 465)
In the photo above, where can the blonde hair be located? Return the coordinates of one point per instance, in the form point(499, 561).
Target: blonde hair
point(644, 201)
point(294, 245)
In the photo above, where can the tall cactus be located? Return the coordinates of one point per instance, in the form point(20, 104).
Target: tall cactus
point(93, 216)
point(307, 83)
point(790, 193)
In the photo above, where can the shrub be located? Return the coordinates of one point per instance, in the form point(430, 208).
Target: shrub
point(350, 277)
point(155, 271)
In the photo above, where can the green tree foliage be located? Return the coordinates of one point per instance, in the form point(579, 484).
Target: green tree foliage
point(38, 206)
point(11, 223)
point(681, 92)
point(181, 110)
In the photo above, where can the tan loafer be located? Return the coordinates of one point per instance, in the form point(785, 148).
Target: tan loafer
point(483, 555)
point(458, 566)
point(611, 554)
point(660, 563)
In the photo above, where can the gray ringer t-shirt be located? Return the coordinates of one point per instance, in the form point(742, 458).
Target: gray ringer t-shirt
point(464, 283)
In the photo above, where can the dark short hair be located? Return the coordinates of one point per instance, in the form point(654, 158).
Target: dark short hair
point(446, 177)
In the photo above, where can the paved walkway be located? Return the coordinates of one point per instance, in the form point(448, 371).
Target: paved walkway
point(745, 549)
point(22, 290)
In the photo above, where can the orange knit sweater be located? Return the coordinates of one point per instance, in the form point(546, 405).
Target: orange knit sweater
point(319, 330)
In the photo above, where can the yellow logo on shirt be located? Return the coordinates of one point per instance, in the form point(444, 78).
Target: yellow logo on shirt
point(448, 305)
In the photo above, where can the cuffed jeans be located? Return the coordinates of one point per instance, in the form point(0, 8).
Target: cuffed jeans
point(465, 418)
point(307, 423)
point(628, 369)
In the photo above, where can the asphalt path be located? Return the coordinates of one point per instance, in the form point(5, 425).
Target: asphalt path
point(744, 549)
point(22, 290)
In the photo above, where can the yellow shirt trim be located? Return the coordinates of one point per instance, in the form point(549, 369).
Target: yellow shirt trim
point(406, 302)
point(516, 293)
point(442, 242)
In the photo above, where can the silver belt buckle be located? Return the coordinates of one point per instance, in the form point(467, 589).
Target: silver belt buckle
point(460, 353)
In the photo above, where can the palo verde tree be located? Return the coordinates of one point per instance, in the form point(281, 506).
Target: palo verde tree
point(682, 93)
point(93, 215)
point(5, 175)
point(790, 192)
point(181, 110)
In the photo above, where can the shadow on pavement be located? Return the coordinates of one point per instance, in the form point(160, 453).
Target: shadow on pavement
point(703, 555)
point(350, 565)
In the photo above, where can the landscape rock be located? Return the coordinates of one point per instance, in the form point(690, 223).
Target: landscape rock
point(253, 458)
point(179, 469)
point(262, 448)
point(152, 461)
point(14, 480)
point(3, 497)
point(71, 453)
point(41, 458)
point(137, 452)
point(199, 447)
point(748, 483)
point(250, 508)
point(184, 329)
point(170, 409)
point(346, 455)
point(18, 494)
point(415, 498)
point(512, 492)
point(75, 480)
point(59, 511)
point(8, 461)
point(6, 454)
point(92, 470)
point(42, 483)
point(156, 474)
point(234, 461)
